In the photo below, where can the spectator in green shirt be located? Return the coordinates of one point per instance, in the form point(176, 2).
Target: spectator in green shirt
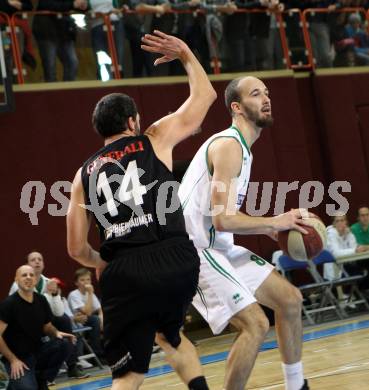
point(360, 229)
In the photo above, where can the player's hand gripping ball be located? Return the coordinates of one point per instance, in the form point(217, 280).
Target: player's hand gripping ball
point(300, 246)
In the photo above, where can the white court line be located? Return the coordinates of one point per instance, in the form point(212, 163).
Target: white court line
point(320, 350)
point(345, 344)
point(264, 363)
point(272, 387)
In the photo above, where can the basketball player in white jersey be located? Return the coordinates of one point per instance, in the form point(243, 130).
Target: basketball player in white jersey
point(233, 280)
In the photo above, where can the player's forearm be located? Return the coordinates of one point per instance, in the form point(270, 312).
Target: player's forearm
point(240, 223)
point(5, 351)
point(85, 255)
point(200, 85)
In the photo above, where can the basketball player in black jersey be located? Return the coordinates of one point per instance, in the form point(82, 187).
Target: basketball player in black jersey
point(148, 266)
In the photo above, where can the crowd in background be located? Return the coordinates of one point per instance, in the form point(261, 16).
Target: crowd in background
point(241, 41)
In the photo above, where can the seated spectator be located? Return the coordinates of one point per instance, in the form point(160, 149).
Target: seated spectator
point(56, 37)
point(25, 318)
point(62, 321)
point(360, 229)
point(36, 261)
point(356, 31)
point(340, 242)
point(99, 37)
point(84, 301)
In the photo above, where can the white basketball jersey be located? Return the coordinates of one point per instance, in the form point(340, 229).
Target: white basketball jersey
point(195, 194)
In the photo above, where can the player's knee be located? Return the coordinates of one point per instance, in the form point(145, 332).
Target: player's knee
point(260, 326)
point(253, 321)
point(292, 302)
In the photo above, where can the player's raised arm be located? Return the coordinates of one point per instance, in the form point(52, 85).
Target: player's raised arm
point(182, 123)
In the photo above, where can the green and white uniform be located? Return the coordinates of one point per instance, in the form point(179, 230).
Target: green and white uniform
point(229, 274)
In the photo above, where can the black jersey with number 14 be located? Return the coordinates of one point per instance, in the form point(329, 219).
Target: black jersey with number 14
point(132, 195)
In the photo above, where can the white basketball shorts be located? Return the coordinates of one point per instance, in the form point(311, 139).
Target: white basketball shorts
point(227, 283)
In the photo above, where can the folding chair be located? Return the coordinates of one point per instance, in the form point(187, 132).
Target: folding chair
point(317, 296)
point(356, 297)
point(80, 332)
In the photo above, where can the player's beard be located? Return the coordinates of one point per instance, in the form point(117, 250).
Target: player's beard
point(255, 116)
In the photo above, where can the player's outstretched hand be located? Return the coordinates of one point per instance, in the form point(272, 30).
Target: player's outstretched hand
point(170, 47)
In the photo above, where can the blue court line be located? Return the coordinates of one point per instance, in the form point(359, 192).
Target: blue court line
point(221, 356)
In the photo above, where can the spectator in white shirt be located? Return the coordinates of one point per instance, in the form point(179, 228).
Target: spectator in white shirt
point(83, 300)
point(340, 242)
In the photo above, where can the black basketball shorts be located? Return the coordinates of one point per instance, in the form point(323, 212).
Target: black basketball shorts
point(146, 290)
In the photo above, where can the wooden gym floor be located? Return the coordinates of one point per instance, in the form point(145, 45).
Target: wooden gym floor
point(336, 356)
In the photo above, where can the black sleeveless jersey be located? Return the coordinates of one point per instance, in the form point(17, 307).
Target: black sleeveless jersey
point(132, 195)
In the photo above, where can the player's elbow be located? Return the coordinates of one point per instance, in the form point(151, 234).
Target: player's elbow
point(204, 94)
point(209, 94)
point(75, 251)
point(220, 223)
point(212, 94)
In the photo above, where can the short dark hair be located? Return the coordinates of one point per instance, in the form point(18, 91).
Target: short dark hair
point(111, 114)
point(232, 94)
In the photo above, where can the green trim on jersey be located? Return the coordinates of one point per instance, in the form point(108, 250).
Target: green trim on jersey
point(221, 136)
point(40, 285)
point(220, 269)
point(185, 202)
point(242, 138)
point(212, 236)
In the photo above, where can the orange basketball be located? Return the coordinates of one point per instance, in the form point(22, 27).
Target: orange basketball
point(300, 246)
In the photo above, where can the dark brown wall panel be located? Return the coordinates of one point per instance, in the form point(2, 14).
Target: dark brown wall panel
point(343, 150)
